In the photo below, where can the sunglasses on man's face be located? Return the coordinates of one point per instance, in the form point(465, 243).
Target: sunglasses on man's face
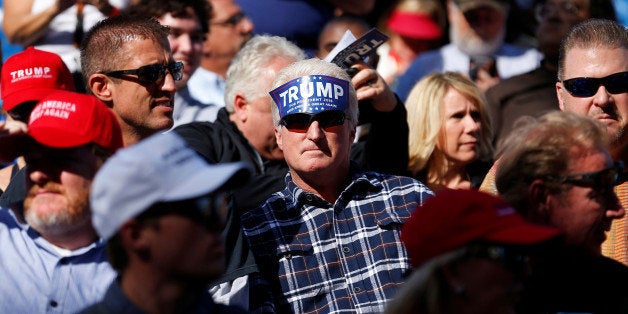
point(588, 86)
point(210, 211)
point(152, 73)
point(300, 122)
point(603, 179)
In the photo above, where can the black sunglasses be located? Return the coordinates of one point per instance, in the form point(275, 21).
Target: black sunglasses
point(300, 122)
point(211, 210)
point(233, 20)
point(587, 86)
point(605, 178)
point(152, 73)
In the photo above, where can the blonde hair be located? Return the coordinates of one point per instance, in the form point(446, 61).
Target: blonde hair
point(425, 116)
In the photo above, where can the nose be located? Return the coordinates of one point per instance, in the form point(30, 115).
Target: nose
point(184, 44)
point(614, 209)
point(246, 26)
point(314, 132)
point(602, 97)
point(169, 83)
point(471, 125)
point(38, 176)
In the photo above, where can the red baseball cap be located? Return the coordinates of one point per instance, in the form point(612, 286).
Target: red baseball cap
point(32, 74)
point(66, 119)
point(414, 25)
point(454, 218)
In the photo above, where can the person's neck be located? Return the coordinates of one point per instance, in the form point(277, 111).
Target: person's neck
point(152, 292)
point(447, 175)
point(81, 236)
point(324, 184)
point(218, 64)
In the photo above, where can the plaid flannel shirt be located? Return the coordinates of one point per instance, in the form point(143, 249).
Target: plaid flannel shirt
point(342, 257)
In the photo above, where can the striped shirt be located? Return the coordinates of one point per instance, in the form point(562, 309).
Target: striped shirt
point(333, 258)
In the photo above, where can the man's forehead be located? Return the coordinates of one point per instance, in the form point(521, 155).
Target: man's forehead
point(595, 61)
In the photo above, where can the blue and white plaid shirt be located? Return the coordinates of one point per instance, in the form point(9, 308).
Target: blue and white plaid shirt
point(342, 257)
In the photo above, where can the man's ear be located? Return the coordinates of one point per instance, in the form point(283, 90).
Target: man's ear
point(134, 236)
point(559, 95)
point(100, 86)
point(540, 198)
point(278, 137)
point(240, 104)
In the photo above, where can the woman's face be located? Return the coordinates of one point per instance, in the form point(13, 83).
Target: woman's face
point(461, 132)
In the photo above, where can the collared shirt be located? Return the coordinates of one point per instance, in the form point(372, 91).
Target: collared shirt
point(36, 278)
point(345, 256)
point(207, 87)
point(187, 109)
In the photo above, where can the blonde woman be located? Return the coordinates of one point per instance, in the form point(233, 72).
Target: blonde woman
point(450, 132)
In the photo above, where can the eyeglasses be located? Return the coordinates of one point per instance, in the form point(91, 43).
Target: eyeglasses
point(567, 8)
point(233, 20)
point(605, 178)
point(300, 122)
point(152, 73)
point(588, 86)
point(211, 211)
point(513, 259)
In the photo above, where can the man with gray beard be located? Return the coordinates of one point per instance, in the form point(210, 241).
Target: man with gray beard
point(477, 30)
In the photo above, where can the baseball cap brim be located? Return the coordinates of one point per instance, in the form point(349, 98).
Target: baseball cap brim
point(207, 180)
point(9, 102)
point(522, 234)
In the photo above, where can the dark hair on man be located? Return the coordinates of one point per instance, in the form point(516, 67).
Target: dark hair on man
point(104, 46)
point(589, 34)
point(177, 8)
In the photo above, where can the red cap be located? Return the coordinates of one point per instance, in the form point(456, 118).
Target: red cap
point(414, 25)
point(67, 119)
point(32, 74)
point(454, 218)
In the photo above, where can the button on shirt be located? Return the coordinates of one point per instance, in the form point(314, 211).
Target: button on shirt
point(36, 278)
point(347, 256)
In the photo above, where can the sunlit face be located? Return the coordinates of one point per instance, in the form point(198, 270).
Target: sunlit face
point(597, 62)
point(584, 214)
point(257, 126)
point(186, 41)
point(143, 108)
point(461, 132)
point(228, 32)
point(58, 183)
point(317, 151)
point(184, 248)
point(477, 32)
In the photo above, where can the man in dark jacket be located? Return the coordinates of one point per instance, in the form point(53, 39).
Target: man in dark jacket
point(244, 131)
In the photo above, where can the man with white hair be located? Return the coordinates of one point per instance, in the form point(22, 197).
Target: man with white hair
point(477, 31)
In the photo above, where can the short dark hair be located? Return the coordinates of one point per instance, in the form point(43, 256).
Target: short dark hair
point(158, 8)
point(592, 33)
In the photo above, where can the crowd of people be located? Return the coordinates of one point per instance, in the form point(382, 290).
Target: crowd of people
point(202, 156)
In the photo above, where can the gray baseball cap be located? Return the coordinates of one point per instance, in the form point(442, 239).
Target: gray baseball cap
point(161, 168)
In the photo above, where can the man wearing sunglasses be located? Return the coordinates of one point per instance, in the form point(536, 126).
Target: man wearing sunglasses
point(330, 240)
point(128, 65)
point(188, 22)
point(558, 171)
point(593, 81)
point(161, 209)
